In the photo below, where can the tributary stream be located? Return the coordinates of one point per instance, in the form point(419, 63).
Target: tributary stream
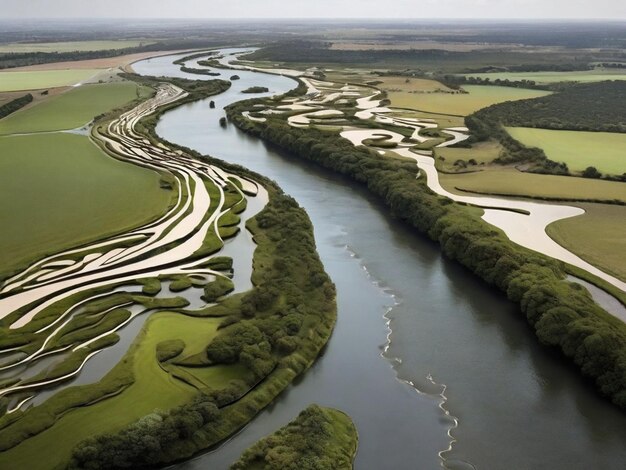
point(518, 405)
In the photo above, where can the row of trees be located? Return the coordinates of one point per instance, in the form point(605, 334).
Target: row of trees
point(563, 314)
point(14, 105)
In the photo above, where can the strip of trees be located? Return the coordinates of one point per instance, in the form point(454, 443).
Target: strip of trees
point(14, 105)
point(563, 314)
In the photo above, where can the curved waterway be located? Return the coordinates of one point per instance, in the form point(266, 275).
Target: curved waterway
point(517, 404)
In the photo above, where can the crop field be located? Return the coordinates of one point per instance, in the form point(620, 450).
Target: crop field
point(461, 104)
point(69, 46)
point(72, 109)
point(597, 75)
point(603, 150)
point(38, 79)
point(596, 236)
point(516, 183)
point(59, 190)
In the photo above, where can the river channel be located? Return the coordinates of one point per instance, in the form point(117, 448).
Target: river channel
point(416, 334)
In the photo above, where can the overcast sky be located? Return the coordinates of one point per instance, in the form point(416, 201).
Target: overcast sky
point(581, 9)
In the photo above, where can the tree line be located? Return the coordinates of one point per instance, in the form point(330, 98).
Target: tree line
point(563, 314)
point(15, 104)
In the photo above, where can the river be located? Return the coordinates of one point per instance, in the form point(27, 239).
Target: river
point(518, 405)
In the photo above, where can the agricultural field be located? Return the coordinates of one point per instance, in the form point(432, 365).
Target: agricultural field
point(36, 80)
point(596, 75)
point(579, 149)
point(596, 236)
point(460, 104)
point(72, 109)
point(67, 192)
point(69, 46)
point(409, 85)
point(512, 182)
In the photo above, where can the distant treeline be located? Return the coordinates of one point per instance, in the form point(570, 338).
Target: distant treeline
point(21, 59)
point(597, 107)
point(563, 314)
point(485, 60)
point(14, 105)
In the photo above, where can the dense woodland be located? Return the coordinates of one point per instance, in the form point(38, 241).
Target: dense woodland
point(563, 314)
point(427, 59)
point(318, 439)
point(583, 107)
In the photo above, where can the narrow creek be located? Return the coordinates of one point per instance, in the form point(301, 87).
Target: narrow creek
point(518, 405)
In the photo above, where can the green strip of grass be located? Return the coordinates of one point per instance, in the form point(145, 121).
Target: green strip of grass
point(37, 79)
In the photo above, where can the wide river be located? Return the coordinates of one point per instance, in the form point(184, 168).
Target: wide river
point(406, 315)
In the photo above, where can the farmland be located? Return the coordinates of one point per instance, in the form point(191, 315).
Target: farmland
point(596, 75)
point(34, 80)
point(579, 149)
point(460, 104)
point(69, 46)
point(67, 192)
point(72, 109)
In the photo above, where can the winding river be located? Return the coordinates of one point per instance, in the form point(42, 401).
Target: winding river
point(510, 402)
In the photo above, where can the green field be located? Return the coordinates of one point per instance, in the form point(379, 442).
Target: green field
point(461, 104)
point(59, 190)
point(153, 389)
point(553, 77)
point(38, 79)
point(516, 183)
point(596, 236)
point(70, 46)
point(604, 150)
point(71, 109)
point(482, 152)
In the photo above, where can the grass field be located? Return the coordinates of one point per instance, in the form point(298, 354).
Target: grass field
point(516, 183)
point(604, 150)
point(461, 104)
point(553, 77)
point(72, 109)
point(69, 46)
point(59, 190)
point(596, 236)
point(153, 388)
point(409, 84)
point(38, 79)
point(482, 152)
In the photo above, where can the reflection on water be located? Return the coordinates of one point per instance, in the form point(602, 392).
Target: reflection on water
point(519, 405)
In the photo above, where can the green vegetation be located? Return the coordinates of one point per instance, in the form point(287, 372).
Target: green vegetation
point(578, 149)
point(563, 315)
point(597, 236)
point(15, 104)
point(71, 109)
point(61, 191)
point(596, 75)
point(586, 107)
point(37, 79)
point(256, 89)
point(319, 438)
point(461, 104)
point(69, 46)
point(512, 182)
point(480, 152)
